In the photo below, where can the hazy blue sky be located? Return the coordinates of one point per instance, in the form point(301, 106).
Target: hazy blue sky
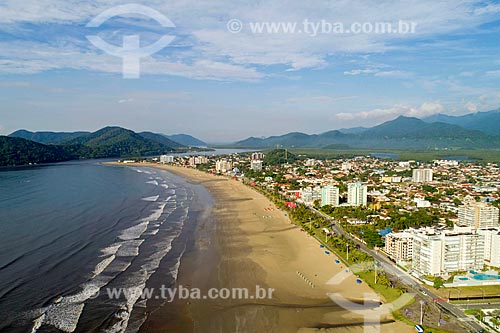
point(223, 86)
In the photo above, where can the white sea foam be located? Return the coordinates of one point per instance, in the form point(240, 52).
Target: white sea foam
point(65, 314)
point(153, 182)
point(152, 198)
point(152, 232)
point(129, 248)
point(134, 232)
point(110, 249)
point(38, 322)
point(100, 267)
point(175, 270)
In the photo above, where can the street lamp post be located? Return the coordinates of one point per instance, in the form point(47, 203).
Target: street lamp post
point(422, 312)
point(347, 256)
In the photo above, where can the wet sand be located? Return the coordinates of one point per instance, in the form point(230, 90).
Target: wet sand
point(246, 242)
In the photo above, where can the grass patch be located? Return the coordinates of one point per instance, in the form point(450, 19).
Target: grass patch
point(388, 293)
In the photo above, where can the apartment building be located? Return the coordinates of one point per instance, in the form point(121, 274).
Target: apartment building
point(491, 246)
point(478, 215)
point(357, 194)
point(330, 196)
point(442, 252)
point(422, 175)
point(399, 246)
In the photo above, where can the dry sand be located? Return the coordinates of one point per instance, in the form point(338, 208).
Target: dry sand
point(256, 244)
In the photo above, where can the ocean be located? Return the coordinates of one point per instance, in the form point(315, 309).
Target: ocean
point(71, 231)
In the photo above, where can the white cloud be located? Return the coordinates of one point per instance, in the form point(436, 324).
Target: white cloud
point(206, 50)
point(493, 73)
point(360, 71)
point(471, 107)
point(425, 110)
point(395, 74)
point(125, 100)
point(32, 57)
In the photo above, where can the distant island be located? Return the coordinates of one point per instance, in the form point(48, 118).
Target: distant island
point(24, 147)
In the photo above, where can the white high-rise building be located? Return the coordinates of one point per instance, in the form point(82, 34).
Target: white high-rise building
point(196, 160)
point(422, 175)
point(399, 246)
point(166, 159)
point(223, 166)
point(330, 196)
point(310, 194)
point(478, 215)
point(357, 194)
point(443, 252)
point(256, 165)
point(491, 246)
point(257, 156)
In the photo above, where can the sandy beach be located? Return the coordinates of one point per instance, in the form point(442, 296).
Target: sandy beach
point(255, 244)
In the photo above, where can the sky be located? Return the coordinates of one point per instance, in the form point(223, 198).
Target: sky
point(222, 79)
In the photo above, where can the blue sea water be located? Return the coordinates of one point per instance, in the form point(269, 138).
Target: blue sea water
point(71, 229)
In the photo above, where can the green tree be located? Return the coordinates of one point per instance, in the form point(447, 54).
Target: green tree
point(438, 282)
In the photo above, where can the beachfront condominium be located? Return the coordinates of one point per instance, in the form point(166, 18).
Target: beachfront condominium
point(357, 194)
point(478, 215)
point(197, 160)
point(166, 159)
point(438, 253)
point(223, 166)
point(422, 175)
point(491, 246)
point(399, 246)
point(330, 195)
point(309, 195)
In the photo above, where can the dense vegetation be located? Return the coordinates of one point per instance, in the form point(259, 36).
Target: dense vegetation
point(107, 142)
point(47, 137)
point(279, 156)
point(399, 220)
point(16, 151)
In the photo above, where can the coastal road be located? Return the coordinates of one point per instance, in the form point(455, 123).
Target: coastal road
point(409, 281)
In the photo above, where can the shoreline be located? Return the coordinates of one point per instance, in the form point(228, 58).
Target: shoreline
point(255, 244)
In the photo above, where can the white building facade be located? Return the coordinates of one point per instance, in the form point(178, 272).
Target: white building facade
point(478, 215)
point(438, 253)
point(491, 246)
point(399, 246)
point(330, 196)
point(422, 175)
point(357, 194)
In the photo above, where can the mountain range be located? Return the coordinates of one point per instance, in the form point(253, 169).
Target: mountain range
point(486, 122)
point(470, 132)
point(473, 131)
point(21, 147)
point(62, 137)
